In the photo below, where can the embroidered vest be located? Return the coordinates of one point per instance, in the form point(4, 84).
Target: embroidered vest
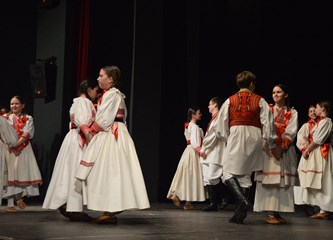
point(244, 109)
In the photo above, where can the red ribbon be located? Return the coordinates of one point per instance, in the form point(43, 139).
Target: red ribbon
point(324, 150)
point(114, 130)
point(100, 99)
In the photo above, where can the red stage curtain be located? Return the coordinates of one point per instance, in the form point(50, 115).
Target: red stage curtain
point(83, 42)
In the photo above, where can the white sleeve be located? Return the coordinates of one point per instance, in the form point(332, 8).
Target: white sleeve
point(222, 127)
point(302, 140)
point(195, 135)
point(212, 137)
point(108, 109)
point(29, 127)
point(83, 112)
point(7, 133)
point(323, 131)
point(267, 121)
point(292, 127)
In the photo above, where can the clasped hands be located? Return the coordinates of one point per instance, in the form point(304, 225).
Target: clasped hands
point(16, 152)
point(88, 136)
point(306, 154)
point(276, 152)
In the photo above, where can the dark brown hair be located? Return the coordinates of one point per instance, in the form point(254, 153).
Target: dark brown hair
point(114, 72)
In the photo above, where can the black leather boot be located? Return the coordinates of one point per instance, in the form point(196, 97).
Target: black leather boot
point(213, 197)
point(242, 201)
point(224, 195)
point(242, 210)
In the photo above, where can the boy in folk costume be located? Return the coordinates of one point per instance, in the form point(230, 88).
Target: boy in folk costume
point(211, 160)
point(246, 124)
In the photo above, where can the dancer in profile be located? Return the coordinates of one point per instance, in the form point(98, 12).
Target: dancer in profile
point(110, 173)
point(211, 161)
point(187, 183)
point(61, 192)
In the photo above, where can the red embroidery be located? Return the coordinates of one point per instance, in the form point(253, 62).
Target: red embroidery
point(281, 121)
point(86, 164)
point(17, 182)
point(19, 125)
point(244, 109)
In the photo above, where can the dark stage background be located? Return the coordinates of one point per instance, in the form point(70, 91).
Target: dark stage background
point(173, 54)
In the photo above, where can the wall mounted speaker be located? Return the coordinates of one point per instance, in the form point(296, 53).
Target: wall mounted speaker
point(44, 77)
point(37, 76)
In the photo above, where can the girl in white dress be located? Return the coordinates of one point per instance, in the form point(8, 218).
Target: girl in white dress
point(304, 139)
point(274, 189)
point(110, 166)
point(22, 173)
point(61, 190)
point(187, 183)
point(316, 165)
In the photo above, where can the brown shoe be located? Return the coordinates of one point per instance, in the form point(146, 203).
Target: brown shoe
point(319, 216)
point(273, 220)
point(189, 207)
point(111, 214)
point(10, 209)
point(175, 200)
point(20, 203)
point(105, 220)
point(111, 220)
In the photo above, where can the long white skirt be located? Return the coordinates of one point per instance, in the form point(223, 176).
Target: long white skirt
point(273, 198)
point(115, 182)
point(298, 195)
point(61, 189)
point(187, 182)
point(21, 175)
point(273, 191)
point(322, 197)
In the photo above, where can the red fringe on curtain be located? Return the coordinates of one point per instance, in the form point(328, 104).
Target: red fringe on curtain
point(83, 43)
